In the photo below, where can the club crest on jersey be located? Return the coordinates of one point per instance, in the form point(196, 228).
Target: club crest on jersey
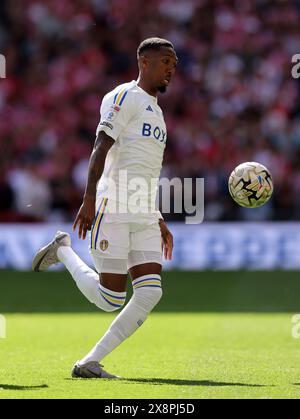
point(103, 245)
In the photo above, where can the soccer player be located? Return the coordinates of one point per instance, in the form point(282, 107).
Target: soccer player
point(127, 233)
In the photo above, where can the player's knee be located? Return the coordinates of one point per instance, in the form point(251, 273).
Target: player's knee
point(108, 307)
point(148, 291)
point(148, 297)
point(156, 294)
point(110, 300)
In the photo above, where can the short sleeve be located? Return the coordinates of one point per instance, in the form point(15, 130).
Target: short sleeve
point(115, 113)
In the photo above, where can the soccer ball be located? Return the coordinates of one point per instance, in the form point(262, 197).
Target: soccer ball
point(250, 185)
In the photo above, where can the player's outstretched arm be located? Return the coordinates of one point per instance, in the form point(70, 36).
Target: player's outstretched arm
point(86, 213)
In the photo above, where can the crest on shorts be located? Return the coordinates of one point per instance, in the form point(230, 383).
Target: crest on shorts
point(103, 245)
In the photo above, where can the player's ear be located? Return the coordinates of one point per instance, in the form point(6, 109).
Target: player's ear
point(143, 61)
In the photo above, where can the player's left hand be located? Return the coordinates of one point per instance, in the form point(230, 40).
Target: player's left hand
point(167, 240)
point(85, 217)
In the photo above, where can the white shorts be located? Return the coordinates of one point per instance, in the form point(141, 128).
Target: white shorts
point(116, 237)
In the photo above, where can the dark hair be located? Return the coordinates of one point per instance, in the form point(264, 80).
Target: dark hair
point(153, 43)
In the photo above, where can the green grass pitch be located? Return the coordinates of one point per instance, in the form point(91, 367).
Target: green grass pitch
point(214, 335)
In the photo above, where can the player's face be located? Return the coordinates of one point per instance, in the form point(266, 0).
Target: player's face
point(161, 68)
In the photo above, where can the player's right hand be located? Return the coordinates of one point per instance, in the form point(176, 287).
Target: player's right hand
point(85, 218)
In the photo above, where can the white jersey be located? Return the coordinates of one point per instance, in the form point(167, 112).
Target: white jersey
point(134, 120)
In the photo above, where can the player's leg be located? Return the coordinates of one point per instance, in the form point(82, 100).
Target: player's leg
point(144, 298)
point(145, 265)
point(147, 293)
point(107, 294)
point(145, 259)
point(145, 271)
point(113, 290)
point(144, 268)
point(109, 251)
point(95, 289)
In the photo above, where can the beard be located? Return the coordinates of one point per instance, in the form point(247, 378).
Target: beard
point(162, 89)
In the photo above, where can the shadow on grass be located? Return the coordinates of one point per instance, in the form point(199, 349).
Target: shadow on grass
point(13, 387)
point(159, 381)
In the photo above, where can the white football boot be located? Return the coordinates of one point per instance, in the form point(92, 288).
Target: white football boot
point(47, 255)
point(91, 370)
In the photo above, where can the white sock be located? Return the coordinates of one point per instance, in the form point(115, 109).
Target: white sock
point(147, 293)
point(87, 280)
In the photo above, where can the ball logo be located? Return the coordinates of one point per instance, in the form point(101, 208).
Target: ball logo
point(103, 245)
point(250, 184)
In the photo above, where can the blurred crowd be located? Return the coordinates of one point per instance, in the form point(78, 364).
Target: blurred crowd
point(233, 98)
